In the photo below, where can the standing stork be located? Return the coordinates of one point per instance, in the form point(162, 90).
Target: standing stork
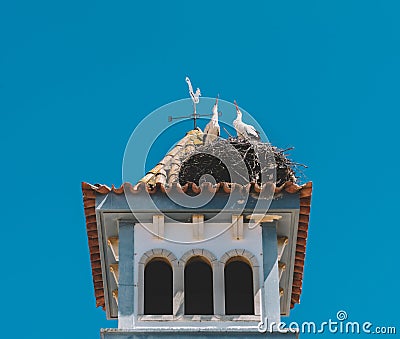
point(212, 130)
point(244, 131)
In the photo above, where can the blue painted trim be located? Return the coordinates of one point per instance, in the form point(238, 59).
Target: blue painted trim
point(126, 275)
point(141, 203)
point(272, 312)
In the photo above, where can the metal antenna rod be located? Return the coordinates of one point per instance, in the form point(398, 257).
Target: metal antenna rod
point(194, 116)
point(227, 132)
point(195, 96)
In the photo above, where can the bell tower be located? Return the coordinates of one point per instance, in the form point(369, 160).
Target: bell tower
point(231, 267)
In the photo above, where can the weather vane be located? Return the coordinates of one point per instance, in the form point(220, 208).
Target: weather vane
point(195, 98)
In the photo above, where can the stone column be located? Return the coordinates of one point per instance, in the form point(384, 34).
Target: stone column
point(178, 289)
point(218, 288)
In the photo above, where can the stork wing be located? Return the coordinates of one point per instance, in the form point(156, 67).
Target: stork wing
point(251, 131)
point(212, 128)
point(211, 133)
point(207, 128)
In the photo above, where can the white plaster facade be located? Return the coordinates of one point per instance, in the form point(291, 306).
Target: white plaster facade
point(216, 250)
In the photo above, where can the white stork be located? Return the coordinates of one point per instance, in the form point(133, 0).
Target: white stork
point(212, 130)
point(244, 131)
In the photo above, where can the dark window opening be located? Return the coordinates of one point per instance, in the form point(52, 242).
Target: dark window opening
point(198, 287)
point(239, 292)
point(158, 287)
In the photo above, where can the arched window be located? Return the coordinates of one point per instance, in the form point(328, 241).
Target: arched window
point(198, 287)
point(239, 292)
point(158, 287)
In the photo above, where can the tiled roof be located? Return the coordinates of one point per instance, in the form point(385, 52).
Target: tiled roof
point(167, 170)
point(89, 197)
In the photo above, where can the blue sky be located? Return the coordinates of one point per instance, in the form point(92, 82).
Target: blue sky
point(77, 77)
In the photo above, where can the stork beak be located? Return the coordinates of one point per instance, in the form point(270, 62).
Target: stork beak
point(237, 107)
point(216, 100)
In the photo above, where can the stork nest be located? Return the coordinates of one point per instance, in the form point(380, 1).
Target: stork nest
point(238, 161)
